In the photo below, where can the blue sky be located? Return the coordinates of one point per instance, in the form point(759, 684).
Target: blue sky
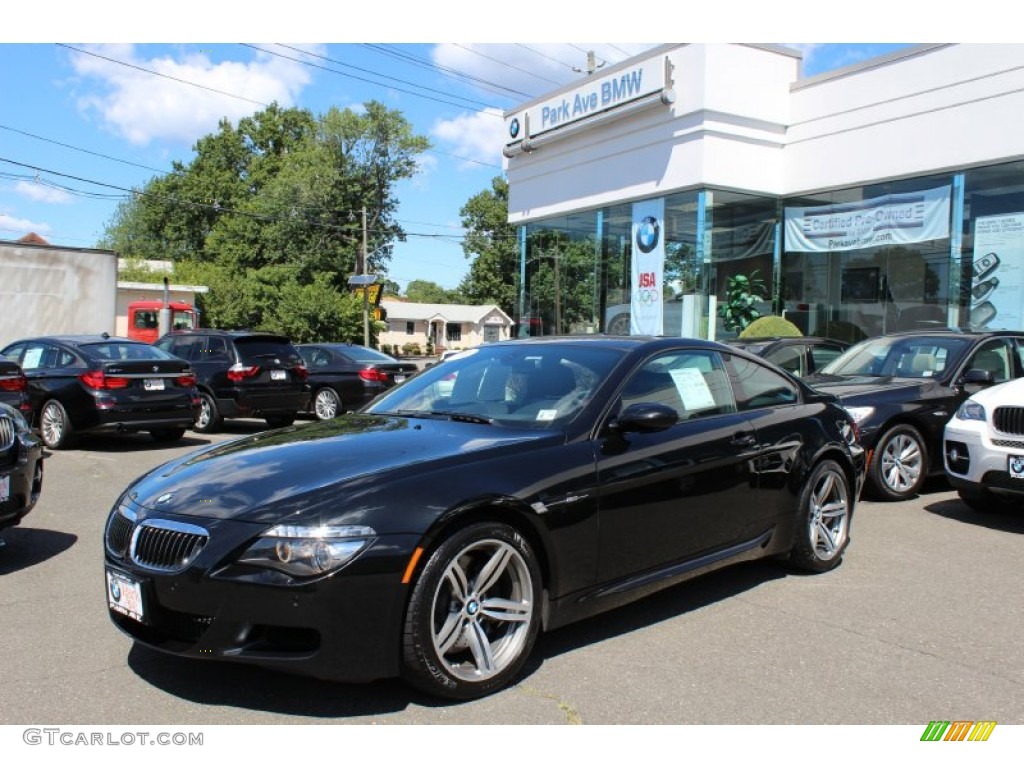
point(58, 99)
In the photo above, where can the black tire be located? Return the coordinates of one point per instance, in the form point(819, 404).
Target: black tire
point(326, 403)
point(167, 435)
point(280, 420)
point(209, 418)
point(618, 325)
point(823, 519)
point(55, 425)
point(899, 464)
point(455, 645)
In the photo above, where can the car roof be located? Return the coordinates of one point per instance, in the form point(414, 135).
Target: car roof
point(78, 340)
point(223, 332)
point(976, 333)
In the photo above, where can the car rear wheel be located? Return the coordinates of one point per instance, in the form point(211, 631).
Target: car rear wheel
point(280, 420)
point(823, 522)
point(55, 425)
point(326, 404)
point(899, 465)
point(209, 419)
point(474, 613)
point(167, 435)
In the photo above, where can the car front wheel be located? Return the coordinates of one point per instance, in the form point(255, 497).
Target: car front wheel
point(823, 519)
point(899, 465)
point(55, 425)
point(474, 613)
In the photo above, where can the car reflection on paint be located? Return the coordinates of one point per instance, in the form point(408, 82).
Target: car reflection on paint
point(519, 487)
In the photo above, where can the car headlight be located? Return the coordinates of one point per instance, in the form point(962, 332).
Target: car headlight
point(971, 410)
point(308, 550)
point(859, 413)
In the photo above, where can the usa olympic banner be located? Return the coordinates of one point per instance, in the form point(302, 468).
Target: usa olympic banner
point(911, 217)
point(648, 273)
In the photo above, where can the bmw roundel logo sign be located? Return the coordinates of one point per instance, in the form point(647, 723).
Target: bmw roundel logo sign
point(647, 234)
point(513, 127)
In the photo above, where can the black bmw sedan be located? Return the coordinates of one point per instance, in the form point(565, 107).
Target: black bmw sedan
point(345, 377)
point(902, 388)
point(518, 487)
point(90, 384)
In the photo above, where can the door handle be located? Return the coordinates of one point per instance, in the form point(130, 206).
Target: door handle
point(743, 440)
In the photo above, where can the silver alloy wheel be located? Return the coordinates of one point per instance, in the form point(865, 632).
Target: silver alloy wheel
point(53, 423)
point(829, 516)
point(482, 610)
point(902, 463)
point(326, 404)
point(205, 413)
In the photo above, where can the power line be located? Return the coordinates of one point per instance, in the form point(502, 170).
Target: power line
point(81, 149)
point(544, 55)
point(447, 71)
point(506, 64)
point(161, 74)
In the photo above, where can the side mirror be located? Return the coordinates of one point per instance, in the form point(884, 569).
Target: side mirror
point(979, 377)
point(645, 417)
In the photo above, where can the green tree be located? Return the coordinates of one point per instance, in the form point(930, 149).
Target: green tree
point(427, 292)
point(490, 241)
point(269, 214)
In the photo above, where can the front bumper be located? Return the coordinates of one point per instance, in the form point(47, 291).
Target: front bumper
point(975, 462)
point(344, 627)
point(21, 477)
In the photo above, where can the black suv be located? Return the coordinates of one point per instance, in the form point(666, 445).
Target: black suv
point(902, 388)
point(242, 374)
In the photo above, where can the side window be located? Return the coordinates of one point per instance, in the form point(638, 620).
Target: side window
point(993, 356)
point(824, 354)
point(789, 359)
point(38, 357)
point(214, 348)
point(14, 352)
point(184, 348)
point(693, 383)
point(757, 386)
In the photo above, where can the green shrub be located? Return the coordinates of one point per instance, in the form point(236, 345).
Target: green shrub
point(770, 325)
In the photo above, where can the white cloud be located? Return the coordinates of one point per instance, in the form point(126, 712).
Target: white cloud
point(143, 107)
point(23, 226)
point(41, 193)
point(478, 136)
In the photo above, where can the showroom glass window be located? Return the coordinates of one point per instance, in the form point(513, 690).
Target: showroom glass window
point(992, 248)
point(853, 294)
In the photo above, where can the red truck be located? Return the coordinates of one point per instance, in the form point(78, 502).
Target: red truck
point(144, 318)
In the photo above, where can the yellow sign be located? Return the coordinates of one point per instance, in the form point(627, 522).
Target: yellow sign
point(373, 297)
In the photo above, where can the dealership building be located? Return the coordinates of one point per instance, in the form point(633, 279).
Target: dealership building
point(884, 196)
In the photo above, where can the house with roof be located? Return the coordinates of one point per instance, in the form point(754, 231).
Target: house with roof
point(446, 326)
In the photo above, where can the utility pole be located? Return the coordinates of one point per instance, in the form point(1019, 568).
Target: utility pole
point(366, 288)
point(592, 65)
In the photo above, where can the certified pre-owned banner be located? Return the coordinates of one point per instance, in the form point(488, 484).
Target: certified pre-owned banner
point(910, 217)
point(645, 316)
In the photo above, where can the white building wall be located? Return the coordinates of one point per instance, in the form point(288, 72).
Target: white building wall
point(743, 120)
point(927, 110)
point(726, 128)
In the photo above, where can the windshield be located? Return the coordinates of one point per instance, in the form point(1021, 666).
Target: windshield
point(914, 357)
point(125, 350)
point(524, 385)
point(366, 355)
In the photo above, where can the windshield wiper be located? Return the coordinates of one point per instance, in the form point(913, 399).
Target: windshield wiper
point(470, 418)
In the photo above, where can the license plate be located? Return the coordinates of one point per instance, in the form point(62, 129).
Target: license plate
point(153, 385)
point(399, 378)
point(1015, 464)
point(124, 595)
point(5, 487)
point(278, 375)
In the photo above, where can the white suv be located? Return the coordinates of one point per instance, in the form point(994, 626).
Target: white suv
point(984, 447)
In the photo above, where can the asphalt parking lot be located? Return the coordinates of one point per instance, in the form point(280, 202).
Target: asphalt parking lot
point(921, 622)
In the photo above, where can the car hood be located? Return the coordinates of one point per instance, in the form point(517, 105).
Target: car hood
point(306, 470)
point(852, 386)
